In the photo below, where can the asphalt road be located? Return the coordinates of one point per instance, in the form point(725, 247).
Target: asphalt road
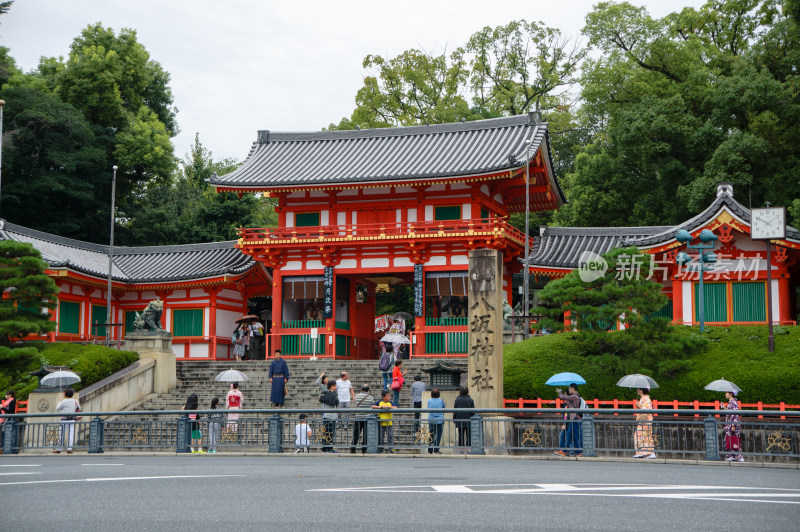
point(334, 493)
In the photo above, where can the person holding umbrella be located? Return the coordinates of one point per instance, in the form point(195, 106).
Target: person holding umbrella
point(240, 341)
point(70, 407)
point(643, 436)
point(733, 422)
point(573, 437)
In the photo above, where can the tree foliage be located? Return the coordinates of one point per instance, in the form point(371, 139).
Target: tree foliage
point(70, 121)
point(26, 290)
point(625, 294)
point(185, 209)
point(680, 103)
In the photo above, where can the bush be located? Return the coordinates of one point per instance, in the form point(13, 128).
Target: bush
point(92, 362)
point(738, 354)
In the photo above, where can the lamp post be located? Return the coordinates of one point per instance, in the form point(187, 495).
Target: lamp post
point(526, 291)
point(2, 104)
point(110, 259)
point(707, 241)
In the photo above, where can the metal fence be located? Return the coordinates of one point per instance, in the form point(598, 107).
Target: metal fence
point(770, 435)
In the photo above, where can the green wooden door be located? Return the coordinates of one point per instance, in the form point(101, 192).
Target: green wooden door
point(130, 317)
point(69, 317)
point(98, 316)
point(715, 302)
point(749, 301)
point(187, 322)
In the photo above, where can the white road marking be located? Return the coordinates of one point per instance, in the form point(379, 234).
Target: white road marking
point(109, 479)
point(21, 465)
point(650, 491)
point(101, 464)
point(9, 474)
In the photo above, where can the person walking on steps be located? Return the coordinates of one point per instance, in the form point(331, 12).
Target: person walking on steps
point(386, 365)
point(417, 387)
point(346, 395)
point(398, 378)
point(322, 382)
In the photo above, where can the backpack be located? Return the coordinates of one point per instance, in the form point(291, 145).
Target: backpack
point(386, 361)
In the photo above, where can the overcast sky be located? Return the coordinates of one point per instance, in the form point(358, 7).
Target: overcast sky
point(238, 66)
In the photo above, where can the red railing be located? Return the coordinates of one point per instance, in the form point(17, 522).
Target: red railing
point(674, 404)
point(496, 227)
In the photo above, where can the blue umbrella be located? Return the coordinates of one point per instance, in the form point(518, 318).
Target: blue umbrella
point(565, 379)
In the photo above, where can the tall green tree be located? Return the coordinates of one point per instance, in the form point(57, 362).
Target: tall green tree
point(26, 290)
point(622, 292)
point(682, 102)
point(186, 209)
point(53, 166)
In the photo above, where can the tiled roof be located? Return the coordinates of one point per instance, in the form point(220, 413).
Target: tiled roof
point(148, 264)
point(561, 247)
point(388, 154)
point(724, 200)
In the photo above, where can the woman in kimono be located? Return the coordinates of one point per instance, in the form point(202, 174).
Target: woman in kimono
point(733, 429)
point(397, 337)
point(643, 437)
point(233, 401)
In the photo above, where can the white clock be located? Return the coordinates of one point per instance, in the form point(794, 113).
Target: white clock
point(768, 223)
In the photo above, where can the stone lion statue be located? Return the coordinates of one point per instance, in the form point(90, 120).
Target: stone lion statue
point(150, 318)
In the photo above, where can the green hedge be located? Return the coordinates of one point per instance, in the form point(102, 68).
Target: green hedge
point(92, 362)
point(738, 354)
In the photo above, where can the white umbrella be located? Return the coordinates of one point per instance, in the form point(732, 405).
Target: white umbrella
point(722, 385)
point(637, 381)
point(231, 375)
point(59, 378)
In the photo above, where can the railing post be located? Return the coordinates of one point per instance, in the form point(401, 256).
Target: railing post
point(96, 436)
point(476, 435)
point(10, 436)
point(372, 434)
point(275, 434)
point(712, 440)
point(182, 435)
point(587, 431)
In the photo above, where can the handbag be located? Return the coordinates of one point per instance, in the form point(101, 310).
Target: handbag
point(396, 385)
point(239, 341)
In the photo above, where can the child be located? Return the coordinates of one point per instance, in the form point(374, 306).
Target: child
point(214, 426)
point(197, 435)
point(302, 433)
point(386, 421)
point(67, 405)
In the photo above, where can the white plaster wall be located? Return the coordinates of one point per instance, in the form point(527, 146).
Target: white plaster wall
point(398, 217)
point(466, 211)
point(289, 219)
point(383, 191)
point(314, 265)
point(374, 263)
point(354, 218)
point(225, 322)
point(776, 298)
point(177, 295)
point(324, 218)
point(485, 189)
point(198, 292)
point(231, 294)
point(341, 218)
point(317, 194)
point(412, 215)
point(349, 192)
point(686, 295)
point(400, 262)
point(129, 296)
point(433, 188)
point(459, 186)
point(293, 265)
point(428, 212)
point(148, 296)
point(438, 260)
point(461, 259)
point(348, 263)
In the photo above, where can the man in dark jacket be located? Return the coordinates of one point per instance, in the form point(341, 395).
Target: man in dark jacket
point(330, 402)
point(461, 419)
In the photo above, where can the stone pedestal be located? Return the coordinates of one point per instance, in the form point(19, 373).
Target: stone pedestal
point(485, 375)
point(498, 432)
point(157, 346)
point(43, 401)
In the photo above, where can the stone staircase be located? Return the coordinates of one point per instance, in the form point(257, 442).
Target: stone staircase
point(198, 377)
